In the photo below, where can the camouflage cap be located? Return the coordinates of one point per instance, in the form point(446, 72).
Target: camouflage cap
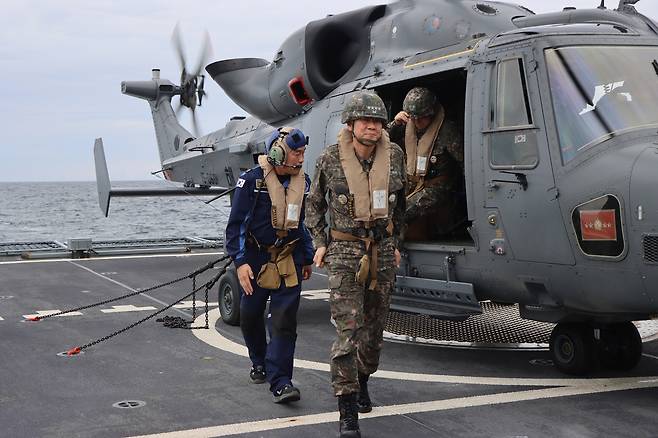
point(419, 102)
point(365, 105)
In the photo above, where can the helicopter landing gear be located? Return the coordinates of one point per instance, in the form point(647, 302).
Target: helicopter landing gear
point(229, 298)
point(620, 346)
point(573, 348)
point(576, 350)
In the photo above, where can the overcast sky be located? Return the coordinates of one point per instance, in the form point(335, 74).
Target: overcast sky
point(62, 62)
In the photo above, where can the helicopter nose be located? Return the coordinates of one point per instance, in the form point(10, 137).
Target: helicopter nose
point(644, 179)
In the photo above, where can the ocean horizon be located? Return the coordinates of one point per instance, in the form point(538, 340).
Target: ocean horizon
point(63, 210)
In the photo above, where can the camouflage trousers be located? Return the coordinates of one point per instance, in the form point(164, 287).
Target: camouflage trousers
point(421, 202)
point(360, 316)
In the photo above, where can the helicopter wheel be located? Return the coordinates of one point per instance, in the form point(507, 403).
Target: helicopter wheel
point(573, 348)
point(620, 346)
point(229, 298)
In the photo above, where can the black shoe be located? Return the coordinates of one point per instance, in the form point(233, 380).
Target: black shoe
point(257, 374)
point(349, 416)
point(363, 401)
point(286, 394)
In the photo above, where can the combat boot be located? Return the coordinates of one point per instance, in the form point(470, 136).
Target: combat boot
point(349, 416)
point(363, 402)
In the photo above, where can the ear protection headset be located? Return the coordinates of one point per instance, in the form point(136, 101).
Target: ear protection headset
point(280, 141)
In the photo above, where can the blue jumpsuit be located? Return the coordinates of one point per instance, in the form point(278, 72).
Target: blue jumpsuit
point(243, 228)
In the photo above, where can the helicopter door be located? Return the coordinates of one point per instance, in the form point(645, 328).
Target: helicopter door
point(522, 211)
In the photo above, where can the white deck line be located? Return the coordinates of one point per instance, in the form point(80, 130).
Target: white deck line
point(145, 256)
point(408, 408)
point(215, 339)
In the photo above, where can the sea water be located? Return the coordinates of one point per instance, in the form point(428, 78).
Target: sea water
point(46, 211)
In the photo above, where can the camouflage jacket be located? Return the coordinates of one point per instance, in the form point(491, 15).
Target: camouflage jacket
point(329, 192)
point(448, 146)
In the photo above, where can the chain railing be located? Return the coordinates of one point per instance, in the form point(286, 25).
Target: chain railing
point(169, 321)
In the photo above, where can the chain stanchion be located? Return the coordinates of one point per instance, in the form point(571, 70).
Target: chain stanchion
point(194, 298)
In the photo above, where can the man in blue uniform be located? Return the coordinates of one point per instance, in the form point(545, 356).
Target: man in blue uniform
point(272, 251)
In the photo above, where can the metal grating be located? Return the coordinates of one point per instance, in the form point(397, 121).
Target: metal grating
point(212, 242)
point(498, 325)
point(650, 248)
point(146, 243)
point(17, 248)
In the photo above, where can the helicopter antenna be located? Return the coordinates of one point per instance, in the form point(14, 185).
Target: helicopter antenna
point(602, 5)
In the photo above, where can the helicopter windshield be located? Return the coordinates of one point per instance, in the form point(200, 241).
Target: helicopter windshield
point(601, 91)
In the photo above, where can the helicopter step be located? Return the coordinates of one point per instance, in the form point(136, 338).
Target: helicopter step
point(442, 299)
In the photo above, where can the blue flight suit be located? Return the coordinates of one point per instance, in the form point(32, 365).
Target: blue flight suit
point(243, 230)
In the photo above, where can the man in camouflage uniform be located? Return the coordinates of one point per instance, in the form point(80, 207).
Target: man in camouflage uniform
point(358, 305)
point(432, 176)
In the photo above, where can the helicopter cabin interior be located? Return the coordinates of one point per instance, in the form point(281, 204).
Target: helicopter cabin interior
point(447, 222)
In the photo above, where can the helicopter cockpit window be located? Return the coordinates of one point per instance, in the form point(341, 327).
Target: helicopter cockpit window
point(601, 91)
point(512, 107)
point(513, 140)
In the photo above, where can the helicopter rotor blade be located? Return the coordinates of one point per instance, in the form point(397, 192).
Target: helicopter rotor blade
point(178, 47)
point(206, 53)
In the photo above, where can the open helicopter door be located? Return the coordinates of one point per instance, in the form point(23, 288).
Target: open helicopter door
point(521, 219)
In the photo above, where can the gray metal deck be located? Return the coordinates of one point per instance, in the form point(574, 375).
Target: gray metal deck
point(195, 383)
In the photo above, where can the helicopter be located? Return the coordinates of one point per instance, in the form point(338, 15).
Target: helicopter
point(556, 212)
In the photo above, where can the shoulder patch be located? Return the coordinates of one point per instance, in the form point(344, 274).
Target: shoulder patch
point(240, 183)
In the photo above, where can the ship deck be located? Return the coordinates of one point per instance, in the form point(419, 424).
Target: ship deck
point(170, 382)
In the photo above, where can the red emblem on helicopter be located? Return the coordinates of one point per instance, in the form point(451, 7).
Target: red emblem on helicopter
point(598, 225)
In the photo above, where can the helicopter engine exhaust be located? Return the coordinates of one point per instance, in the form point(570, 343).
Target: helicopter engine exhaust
point(142, 89)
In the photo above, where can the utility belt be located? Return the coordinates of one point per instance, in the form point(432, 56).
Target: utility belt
point(368, 263)
point(377, 234)
point(280, 265)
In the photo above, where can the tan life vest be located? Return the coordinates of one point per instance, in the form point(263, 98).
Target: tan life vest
point(370, 189)
point(419, 150)
point(286, 207)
